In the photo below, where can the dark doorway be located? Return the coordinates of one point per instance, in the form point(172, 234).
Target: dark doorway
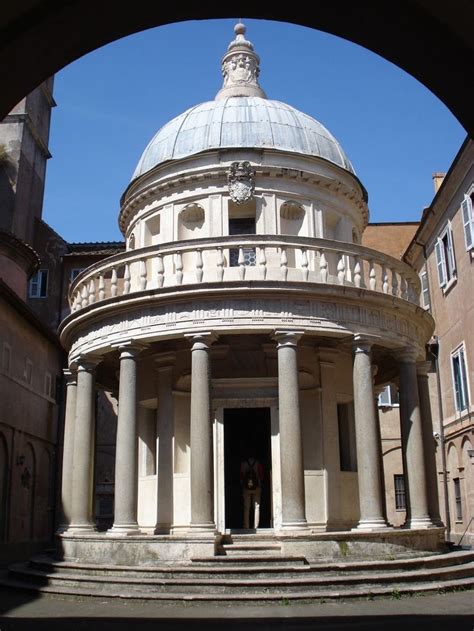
point(247, 432)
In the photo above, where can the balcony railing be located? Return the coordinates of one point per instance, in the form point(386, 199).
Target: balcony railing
point(277, 258)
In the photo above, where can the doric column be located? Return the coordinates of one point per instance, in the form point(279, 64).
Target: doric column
point(369, 464)
point(68, 448)
point(202, 465)
point(165, 432)
point(412, 443)
point(329, 422)
point(126, 451)
point(291, 447)
point(429, 443)
point(84, 436)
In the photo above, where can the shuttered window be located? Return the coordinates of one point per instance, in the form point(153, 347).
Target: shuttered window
point(445, 261)
point(468, 221)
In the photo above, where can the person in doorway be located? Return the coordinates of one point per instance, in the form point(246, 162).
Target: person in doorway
point(251, 477)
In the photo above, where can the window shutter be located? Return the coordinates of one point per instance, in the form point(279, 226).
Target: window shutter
point(467, 221)
point(440, 262)
point(452, 262)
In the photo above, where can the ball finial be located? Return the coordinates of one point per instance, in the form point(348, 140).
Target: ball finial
point(240, 28)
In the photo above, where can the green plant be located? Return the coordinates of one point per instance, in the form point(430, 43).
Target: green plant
point(344, 548)
point(396, 595)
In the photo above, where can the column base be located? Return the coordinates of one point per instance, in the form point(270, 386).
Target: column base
point(371, 524)
point(81, 528)
point(123, 530)
point(163, 529)
point(298, 526)
point(418, 522)
point(201, 530)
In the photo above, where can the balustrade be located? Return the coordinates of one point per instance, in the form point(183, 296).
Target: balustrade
point(227, 259)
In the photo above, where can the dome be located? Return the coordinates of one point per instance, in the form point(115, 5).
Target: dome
point(241, 122)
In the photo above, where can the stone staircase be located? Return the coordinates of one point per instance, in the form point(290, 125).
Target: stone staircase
point(248, 569)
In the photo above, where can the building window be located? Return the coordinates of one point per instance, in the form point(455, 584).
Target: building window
point(242, 225)
point(6, 358)
point(388, 398)
point(468, 220)
point(75, 273)
point(400, 495)
point(445, 260)
point(28, 372)
point(457, 498)
point(39, 284)
point(425, 289)
point(461, 392)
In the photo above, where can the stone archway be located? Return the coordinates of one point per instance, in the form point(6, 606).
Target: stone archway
point(432, 43)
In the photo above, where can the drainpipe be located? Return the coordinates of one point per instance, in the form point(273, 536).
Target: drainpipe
point(433, 348)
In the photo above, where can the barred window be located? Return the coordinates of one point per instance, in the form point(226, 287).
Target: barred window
point(457, 498)
point(400, 495)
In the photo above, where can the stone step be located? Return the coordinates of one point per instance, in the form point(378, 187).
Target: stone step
point(258, 560)
point(325, 594)
point(365, 581)
point(254, 547)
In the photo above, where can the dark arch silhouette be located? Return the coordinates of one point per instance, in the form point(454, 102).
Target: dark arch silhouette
point(430, 39)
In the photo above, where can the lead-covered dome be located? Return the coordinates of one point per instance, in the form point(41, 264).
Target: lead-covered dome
point(241, 122)
point(241, 117)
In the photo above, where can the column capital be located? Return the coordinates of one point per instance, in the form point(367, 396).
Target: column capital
point(130, 348)
point(423, 368)
point(287, 338)
point(87, 363)
point(164, 361)
point(70, 375)
point(407, 355)
point(201, 340)
point(362, 343)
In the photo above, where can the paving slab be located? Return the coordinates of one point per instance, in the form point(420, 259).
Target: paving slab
point(20, 611)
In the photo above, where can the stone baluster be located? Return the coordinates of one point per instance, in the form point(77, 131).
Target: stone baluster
point(372, 276)
point(101, 286)
point(84, 436)
point(323, 267)
point(403, 287)
point(241, 262)
point(284, 264)
point(220, 265)
point(85, 296)
point(91, 292)
point(412, 442)
point(199, 266)
point(341, 269)
point(304, 265)
point(291, 446)
point(369, 465)
point(262, 260)
point(179, 268)
point(160, 270)
point(358, 281)
point(202, 474)
point(114, 283)
point(126, 279)
point(394, 283)
point(126, 453)
point(142, 281)
point(385, 285)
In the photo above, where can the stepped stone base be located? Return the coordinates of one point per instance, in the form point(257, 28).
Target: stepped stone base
point(140, 550)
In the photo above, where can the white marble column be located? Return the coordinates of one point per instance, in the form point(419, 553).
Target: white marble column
point(164, 449)
point(84, 447)
point(369, 464)
point(429, 443)
point(329, 422)
point(126, 451)
point(202, 465)
point(68, 448)
point(412, 443)
point(291, 447)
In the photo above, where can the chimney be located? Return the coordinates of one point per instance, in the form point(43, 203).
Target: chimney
point(438, 180)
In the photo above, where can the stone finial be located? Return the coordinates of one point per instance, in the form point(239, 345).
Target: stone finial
point(240, 68)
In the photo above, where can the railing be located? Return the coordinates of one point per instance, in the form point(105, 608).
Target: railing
point(277, 258)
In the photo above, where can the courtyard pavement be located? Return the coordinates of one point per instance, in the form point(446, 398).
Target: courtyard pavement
point(23, 611)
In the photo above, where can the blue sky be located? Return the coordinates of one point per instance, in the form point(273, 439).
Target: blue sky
point(112, 101)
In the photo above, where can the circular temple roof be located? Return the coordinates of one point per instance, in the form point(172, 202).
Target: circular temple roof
point(241, 117)
point(241, 122)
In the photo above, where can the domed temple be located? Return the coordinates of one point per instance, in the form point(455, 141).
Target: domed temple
point(246, 321)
